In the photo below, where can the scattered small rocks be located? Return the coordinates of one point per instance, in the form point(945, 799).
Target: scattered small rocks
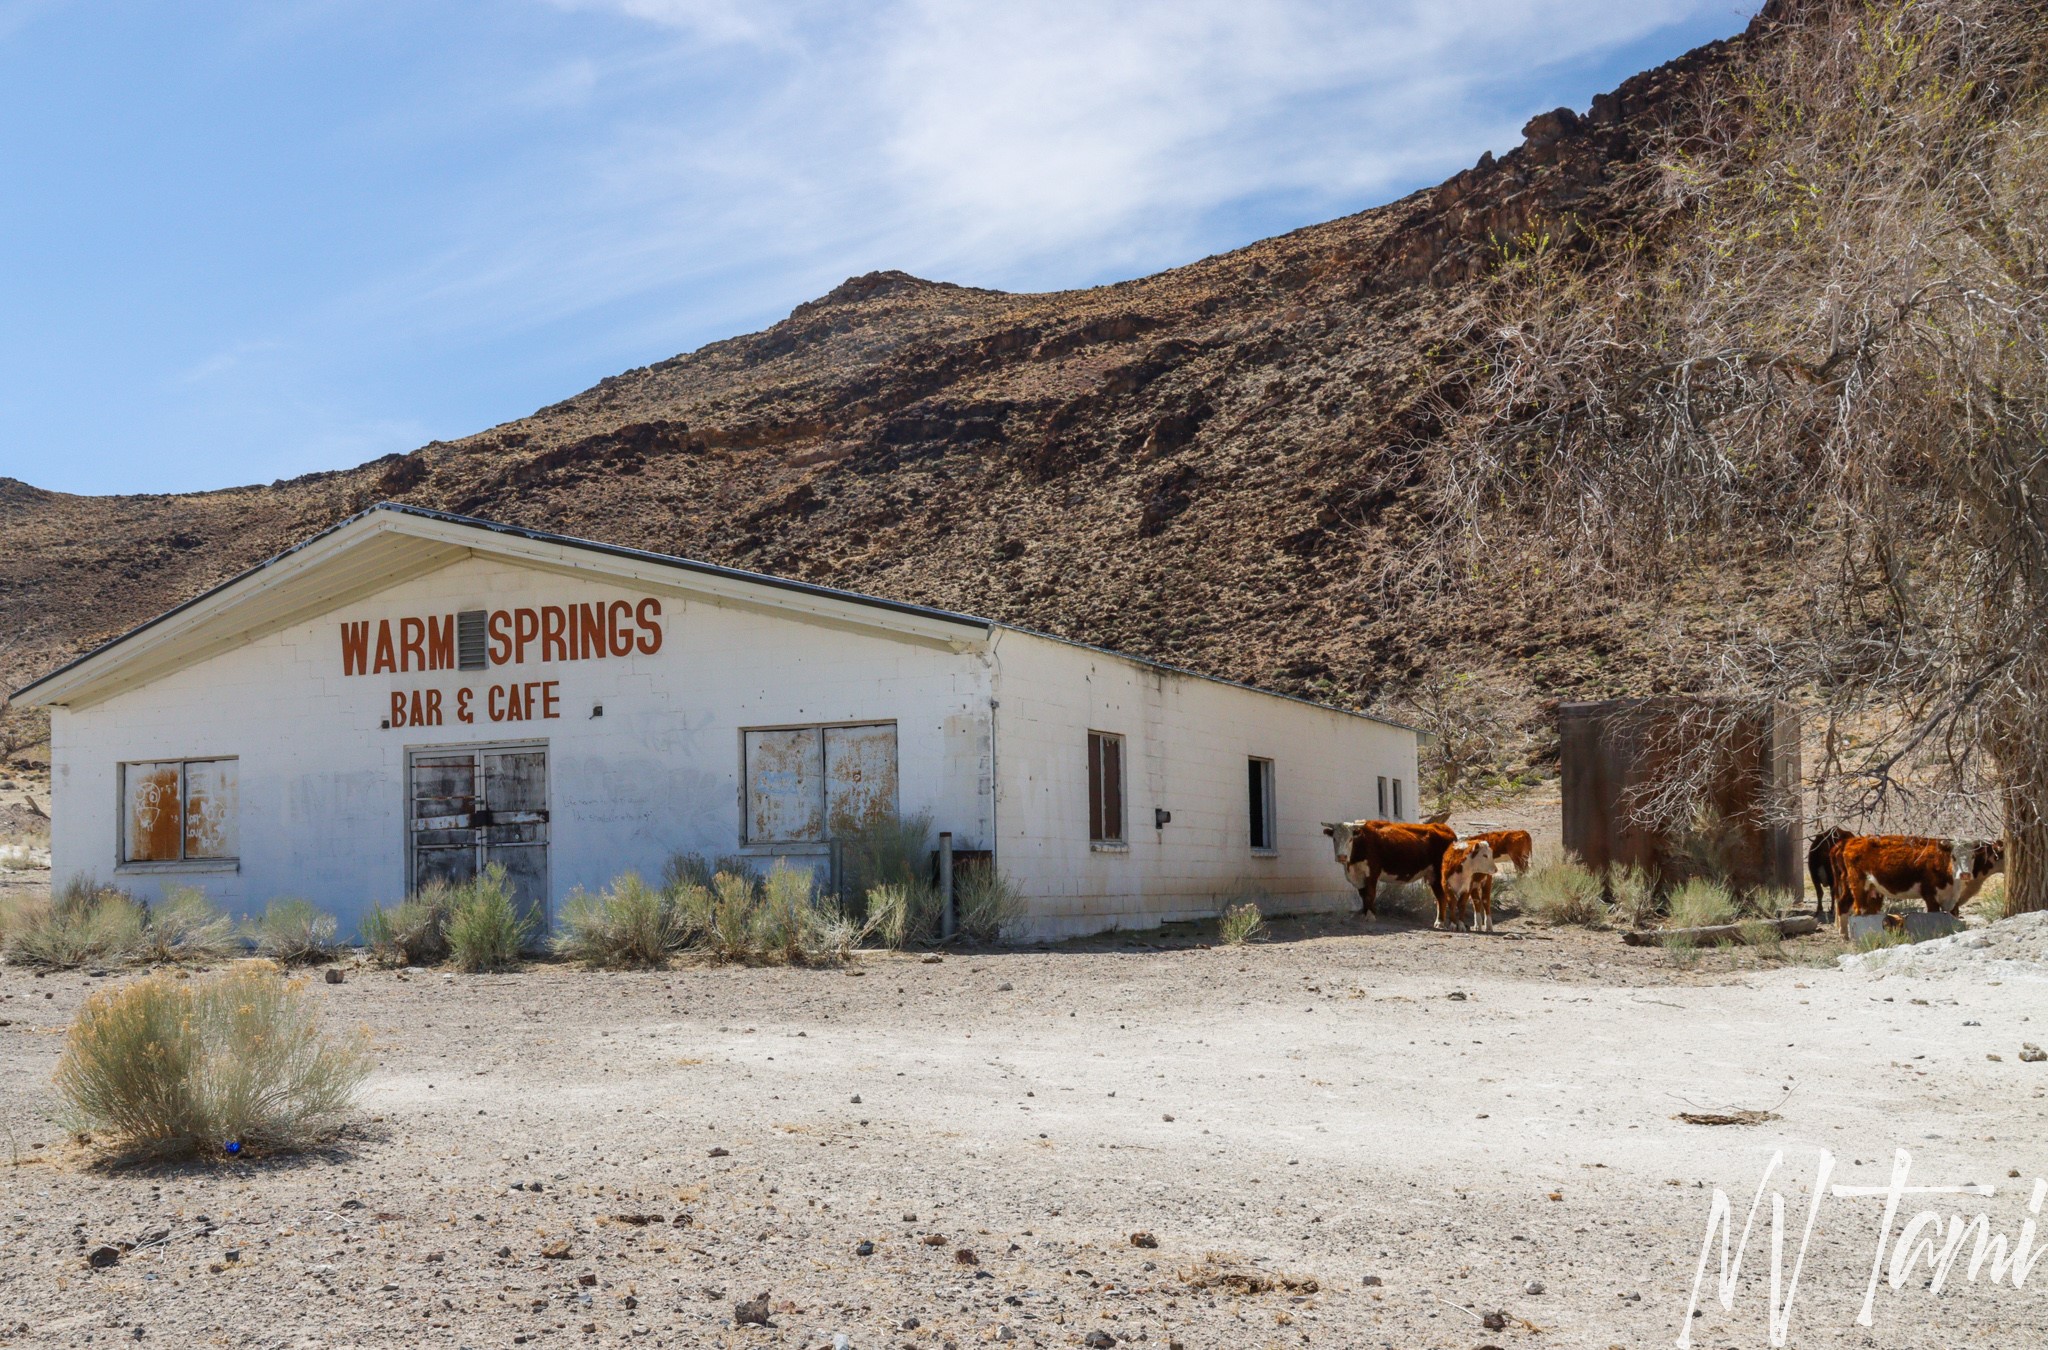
point(1143, 1239)
point(1494, 1321)
point(333, 975)
point(864, 1249)
point(1098, 1340)
point(558, 1250)
point(751, 1312)
point(1533, 1287)
point(1372, 1282)
point(934, 1239)
point(966, 1257)
point(99, 1258)
point(721, 1153)
point(2031, 1053)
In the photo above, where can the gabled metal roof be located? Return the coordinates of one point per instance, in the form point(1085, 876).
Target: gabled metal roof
point(392, 542)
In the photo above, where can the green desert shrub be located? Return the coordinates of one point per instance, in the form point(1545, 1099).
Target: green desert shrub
point(169, 1065)
point(85, 923)
point(186, 926)
point(485, 929)
point(1560, 892)
point(988, 903)
point(735, 915)
point(630, 925)
point(295, 932)
point(1702, 902)
point(1240, 924)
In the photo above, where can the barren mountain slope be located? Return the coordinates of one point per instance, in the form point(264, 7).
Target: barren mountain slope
point(1210, 466)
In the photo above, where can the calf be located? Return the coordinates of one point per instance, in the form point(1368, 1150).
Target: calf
point(1514, 845)
point(1821, 865)
point(1945, 873)
point(1467, 886)
point(1370, 849)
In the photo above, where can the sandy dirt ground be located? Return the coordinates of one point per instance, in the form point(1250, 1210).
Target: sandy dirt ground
point(1381, 1133)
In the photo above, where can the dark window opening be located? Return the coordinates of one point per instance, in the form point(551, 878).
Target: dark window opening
point(1264, 836)
point(1105, 788)
point(1399, 813)
point(1383, 798)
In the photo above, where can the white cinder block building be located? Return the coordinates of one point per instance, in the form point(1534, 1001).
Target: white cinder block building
point(413, 695)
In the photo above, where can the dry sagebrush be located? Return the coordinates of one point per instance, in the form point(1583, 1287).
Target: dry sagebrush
point(168, 1066)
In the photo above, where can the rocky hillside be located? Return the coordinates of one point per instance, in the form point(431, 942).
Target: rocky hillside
point(1213, 466)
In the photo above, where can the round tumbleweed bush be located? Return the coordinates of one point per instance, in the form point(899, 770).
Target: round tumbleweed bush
point(168, 1065)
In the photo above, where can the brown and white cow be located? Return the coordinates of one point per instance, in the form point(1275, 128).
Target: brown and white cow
point(1945, 873)
point(1397, 850)
point(1513, 845)
point(1467, 886)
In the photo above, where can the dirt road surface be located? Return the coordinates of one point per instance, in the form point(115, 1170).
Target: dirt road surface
point(1430, 1128)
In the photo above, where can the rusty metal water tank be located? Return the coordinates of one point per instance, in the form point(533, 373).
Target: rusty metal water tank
point(1740, 759)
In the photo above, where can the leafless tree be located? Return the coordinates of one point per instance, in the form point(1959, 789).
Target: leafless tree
point(1823, 352)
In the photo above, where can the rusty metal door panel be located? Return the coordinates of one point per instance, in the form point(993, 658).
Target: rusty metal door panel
point(473, 808)
point(211, 802)
point(860, 775)
point(516, 835)
point(153, 795)
point(785, 785)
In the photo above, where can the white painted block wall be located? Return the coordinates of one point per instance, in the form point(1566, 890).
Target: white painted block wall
point(322, 788)
point(991, 742)
point(1187, 745)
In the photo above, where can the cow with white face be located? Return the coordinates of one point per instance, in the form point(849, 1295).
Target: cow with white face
point(1468, 870)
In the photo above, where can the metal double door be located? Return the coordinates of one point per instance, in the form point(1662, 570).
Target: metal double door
point(472, 806)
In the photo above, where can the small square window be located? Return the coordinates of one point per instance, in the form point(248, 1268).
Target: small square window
point(1105, 788)
point(1264, 834)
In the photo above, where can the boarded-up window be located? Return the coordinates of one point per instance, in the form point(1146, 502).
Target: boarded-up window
point(1264, 836)
point(1105, 788)
point(180, 810)
point(806, 783)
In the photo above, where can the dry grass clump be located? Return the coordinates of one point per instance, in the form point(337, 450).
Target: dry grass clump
point(694, 869)
point(1220, 1270)
point(988, 903)
point(905, 912)
point(414, 932)
point(780, 918)
point(1633, 898)
point(1240, 924)
point(166, 1066)
point(186, 926)
point(485, 929)
point(629, 925)
point(85, 923)
point(884, 850)
point(1562, 891)
point(1702, 902)
point(294, 932)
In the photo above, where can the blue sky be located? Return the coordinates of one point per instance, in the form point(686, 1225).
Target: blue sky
point(242, 242)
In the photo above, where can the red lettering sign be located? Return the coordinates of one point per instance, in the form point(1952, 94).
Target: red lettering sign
point(587, 631)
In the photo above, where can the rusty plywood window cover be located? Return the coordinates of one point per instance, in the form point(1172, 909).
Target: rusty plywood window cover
point(804, 785)
point(180, 811)
point(1105, 788)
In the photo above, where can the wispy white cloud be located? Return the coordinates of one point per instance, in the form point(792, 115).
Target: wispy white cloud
point(1036, 144)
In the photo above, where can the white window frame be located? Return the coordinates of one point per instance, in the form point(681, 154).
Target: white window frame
point(1269, 793)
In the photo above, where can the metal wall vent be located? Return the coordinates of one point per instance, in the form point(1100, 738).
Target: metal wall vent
point(471, 651)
